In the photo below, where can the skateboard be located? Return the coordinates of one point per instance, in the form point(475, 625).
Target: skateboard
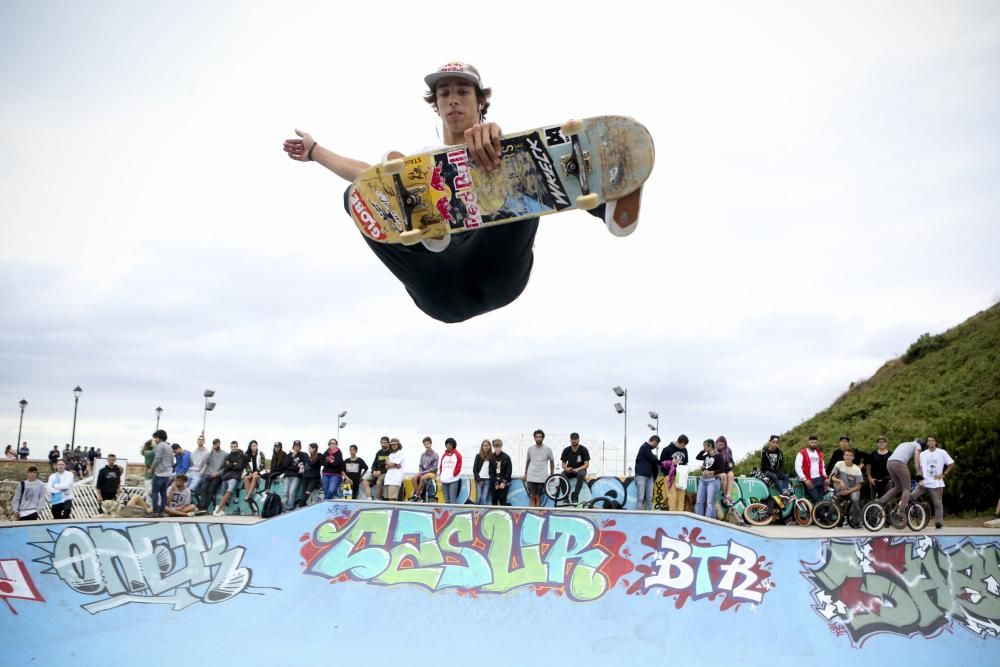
point(577, 165)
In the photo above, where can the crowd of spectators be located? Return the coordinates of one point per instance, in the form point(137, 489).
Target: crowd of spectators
point(185, 483)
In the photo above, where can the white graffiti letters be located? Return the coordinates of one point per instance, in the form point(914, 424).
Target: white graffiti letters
point(698, 570)
point(159, 563)
point(673, 557)
point(545, 164)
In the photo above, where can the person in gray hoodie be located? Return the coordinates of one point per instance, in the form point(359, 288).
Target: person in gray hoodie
point(163, 468)
point(213, 475)
point(29, 497)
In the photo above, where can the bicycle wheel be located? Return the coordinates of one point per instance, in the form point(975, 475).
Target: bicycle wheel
point(826, 514)
point(757, 514)
point(802, 511)
point(916, 516)
point(873, 516)
point(556, 487)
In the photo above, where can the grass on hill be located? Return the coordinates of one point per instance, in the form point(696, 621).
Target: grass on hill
point(946, 385)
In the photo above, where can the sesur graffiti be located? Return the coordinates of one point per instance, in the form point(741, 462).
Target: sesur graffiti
point(906, 586)
point(16, 583)
point(156, 563)
point(472, 552)
point(689, 567)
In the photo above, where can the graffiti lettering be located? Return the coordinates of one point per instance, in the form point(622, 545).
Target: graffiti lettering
point(552, 183)
point(495, 551)
point(690, 568)
point(16, 584)
point(365, 217)
point(463, 188)
point(161, 563)
point(907, 586)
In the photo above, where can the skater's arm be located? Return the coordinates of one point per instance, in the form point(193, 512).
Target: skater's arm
point(306, 149)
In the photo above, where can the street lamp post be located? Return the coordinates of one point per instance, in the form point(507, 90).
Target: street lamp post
point(656, 416)
point(209, 406)
point(17, 445)
point(159, 411)
point(623, 410)
point(76, 402)
point(340, 424)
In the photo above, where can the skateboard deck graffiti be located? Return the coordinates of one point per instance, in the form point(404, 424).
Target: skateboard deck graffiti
point(579, 164)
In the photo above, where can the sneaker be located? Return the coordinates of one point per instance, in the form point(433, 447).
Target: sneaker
point(938, 526)
point(622, 215)
point(727, 502)
point(219, 511)
point(191, 513)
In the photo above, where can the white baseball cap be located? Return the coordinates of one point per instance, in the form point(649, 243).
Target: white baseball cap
point(463, 71)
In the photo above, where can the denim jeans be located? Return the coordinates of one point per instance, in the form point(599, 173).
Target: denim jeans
point(194, 481)
point(708, 489)
point(160, 486)
point(644, 492)
point(451, 490)
point(815, 492)
point(780, 481)
point(331, 486)
point(290, 491)
point(483, 491)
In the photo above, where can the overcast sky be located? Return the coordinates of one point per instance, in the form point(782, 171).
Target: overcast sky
point(825, 191)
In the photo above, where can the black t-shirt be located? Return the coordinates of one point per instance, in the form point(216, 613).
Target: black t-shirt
point(714, 462)
point(109, 479)
point(879, 464)
point(381, 456)
point(575, 459)
point(678, 454)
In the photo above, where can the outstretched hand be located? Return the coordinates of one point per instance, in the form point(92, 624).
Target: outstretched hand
point(298, 149)
point(484, 145)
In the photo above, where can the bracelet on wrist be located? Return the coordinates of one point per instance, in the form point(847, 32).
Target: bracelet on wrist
point(309, 155)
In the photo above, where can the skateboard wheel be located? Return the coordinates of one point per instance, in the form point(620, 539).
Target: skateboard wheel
point(393, 167)
point(572, 127)
point(412, 237)
point(587, 202)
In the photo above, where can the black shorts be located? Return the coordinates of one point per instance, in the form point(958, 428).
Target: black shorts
point(478, 272)
point(535, 488)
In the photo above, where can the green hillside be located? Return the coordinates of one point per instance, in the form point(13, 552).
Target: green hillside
point(947, 385)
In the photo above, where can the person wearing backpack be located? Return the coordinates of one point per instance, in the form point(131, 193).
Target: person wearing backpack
point(29, 497)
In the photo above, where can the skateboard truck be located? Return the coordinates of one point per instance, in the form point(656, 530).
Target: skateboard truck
point(579, 165)
point(412, 201)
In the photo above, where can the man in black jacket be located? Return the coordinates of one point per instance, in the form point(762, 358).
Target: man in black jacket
point(501, 470)
point(647, 467)
point(109, 480)
point(232, 470)
point(772, 464)
point(293, 467)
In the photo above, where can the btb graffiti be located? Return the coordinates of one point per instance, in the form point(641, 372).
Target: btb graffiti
point(907, 586)
point(691, 568)
point(157, 563)
point(472, 552)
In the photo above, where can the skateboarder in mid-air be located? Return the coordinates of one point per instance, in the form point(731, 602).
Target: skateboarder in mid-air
point(461, 276)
